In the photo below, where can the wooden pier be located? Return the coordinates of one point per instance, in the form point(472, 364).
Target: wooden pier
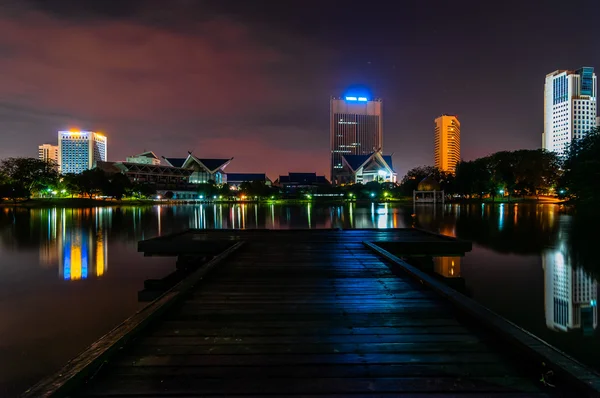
point(315, 313)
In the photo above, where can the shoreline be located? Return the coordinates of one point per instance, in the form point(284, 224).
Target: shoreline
point(40, 203)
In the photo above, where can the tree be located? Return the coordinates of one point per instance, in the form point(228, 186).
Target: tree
point(117, 186)
point(28, 175)
point(582, 168)
point(93, 182)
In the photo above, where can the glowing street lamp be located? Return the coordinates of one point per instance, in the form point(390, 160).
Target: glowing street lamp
point(501, 192)
point(201, 196)
point(158, 197)
point(372, 194)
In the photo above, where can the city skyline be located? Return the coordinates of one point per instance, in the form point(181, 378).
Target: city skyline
point(256, 85)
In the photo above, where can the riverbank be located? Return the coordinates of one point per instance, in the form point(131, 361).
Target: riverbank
point(89, 203)
point(76, 203)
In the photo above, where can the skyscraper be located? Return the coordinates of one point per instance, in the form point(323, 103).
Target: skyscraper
point(356, 128)
point(80, 150)
point(447, 143)
point(569, 107)
point(48, 152)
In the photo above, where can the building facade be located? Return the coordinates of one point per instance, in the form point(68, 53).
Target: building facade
point(447, 143)
point(48, 153)
point(356, 128)
point(80, 150)
point(569, 107)
point(144, 158)
point(235, 180)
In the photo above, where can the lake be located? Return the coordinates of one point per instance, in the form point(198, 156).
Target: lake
point(68, 276)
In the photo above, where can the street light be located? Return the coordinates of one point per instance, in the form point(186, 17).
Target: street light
point(372, 194)
point(501, 191)
point(201, 196)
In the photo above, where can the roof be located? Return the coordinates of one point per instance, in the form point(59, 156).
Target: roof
point(355, 161)
point(175, 162)
point(429, 183)
point(148, 154)
point(213, 164)
point(241, 177)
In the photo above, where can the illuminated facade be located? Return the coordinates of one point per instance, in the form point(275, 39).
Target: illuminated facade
point(361, 169)
point(144, 158)
point(80, 150)
point(48, 153)
point(356, 128)
point(569, 107)
point(447, 143)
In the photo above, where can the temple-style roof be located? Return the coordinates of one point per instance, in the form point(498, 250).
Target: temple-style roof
point(147, 154)
point(214, 164)
point(175, 162)
point(243, 177)
point(355, 162)
point(211, 165)
point(429, 183)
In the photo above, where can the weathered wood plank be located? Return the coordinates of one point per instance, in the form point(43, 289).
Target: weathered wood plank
point(192, 385)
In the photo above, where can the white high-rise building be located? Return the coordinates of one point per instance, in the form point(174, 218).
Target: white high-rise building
point(80, 150)
point(569, 107)
point(48, 152)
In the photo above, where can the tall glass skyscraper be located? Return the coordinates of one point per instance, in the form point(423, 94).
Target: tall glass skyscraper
point(80, 150)
point(356, 129)
point(569, 107)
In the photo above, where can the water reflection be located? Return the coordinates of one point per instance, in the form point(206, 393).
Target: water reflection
point(570, 292)
point(569, 286)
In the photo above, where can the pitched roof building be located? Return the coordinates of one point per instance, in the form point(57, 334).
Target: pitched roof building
point(367, 168)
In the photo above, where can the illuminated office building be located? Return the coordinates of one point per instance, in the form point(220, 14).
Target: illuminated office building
point(447, 143)
point(80, 150)
point(356, 128)
point(48, 153)
point(569, 107)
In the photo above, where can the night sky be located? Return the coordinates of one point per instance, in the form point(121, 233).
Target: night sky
point(252, 79)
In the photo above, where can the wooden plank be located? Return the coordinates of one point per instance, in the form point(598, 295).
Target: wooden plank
point(192, 385)
point(495, 369)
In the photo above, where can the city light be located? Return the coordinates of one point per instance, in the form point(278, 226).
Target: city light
point(201, 196)
point(351, 99)
point(501, 192)
point(372, 194)
point(214, 196)
point(158, 197)
point(386, 194)
point(63, 191)
point(381, 172)
point(362, 99)
point(308, 196)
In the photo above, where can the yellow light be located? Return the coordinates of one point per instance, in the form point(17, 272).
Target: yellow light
point(100, 255)
point(75, 262)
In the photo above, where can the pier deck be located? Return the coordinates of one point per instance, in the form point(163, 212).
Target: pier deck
point(302, 314)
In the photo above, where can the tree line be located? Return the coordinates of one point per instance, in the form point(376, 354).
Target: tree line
point(506, 173)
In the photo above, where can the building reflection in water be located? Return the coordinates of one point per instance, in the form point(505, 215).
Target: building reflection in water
point(75, 241)
point(448, 267)
point(570, 293)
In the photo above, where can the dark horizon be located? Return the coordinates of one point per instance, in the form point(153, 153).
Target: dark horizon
point(252, 80)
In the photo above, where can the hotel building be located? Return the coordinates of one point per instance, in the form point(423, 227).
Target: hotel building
point(80, 150)
point(48, 153)
point(356, 128)
point(447, 143)
point(569, 107)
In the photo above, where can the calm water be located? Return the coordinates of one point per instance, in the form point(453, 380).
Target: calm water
point(67, 276)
